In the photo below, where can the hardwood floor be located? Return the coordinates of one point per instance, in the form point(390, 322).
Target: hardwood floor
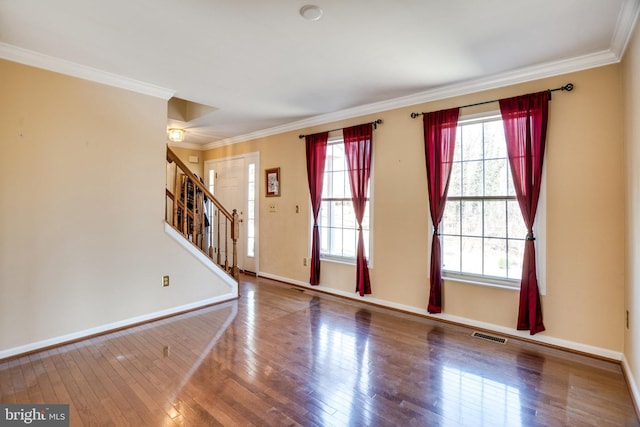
point(281, 356)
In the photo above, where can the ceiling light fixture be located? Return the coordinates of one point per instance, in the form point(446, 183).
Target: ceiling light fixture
point(311, 12)
point(175, 135)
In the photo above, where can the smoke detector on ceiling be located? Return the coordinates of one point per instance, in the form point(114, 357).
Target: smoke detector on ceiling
point(311, 12)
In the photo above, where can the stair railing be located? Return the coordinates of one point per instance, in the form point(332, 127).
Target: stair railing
point(196, 214)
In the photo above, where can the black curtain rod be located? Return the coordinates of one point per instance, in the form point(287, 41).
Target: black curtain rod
point(375, 124)
point(568, 87)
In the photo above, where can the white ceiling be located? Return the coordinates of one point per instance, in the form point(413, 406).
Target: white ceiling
point(265, 69)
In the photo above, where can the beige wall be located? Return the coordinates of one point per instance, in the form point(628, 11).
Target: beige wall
point(185, 153)
point(82, 175)
point(88, 242)
point(584, 303)
point(631, 85)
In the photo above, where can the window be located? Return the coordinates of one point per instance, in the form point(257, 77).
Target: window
point(212, 176)
point(337, 221)
point(251, 210)
point(482, 230)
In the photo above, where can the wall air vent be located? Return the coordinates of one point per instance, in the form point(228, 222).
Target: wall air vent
point(491, 338)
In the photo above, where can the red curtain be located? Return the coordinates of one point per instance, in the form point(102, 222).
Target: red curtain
point(525, 129)
point(357, 147)
point(316, 156)
point(439, 142)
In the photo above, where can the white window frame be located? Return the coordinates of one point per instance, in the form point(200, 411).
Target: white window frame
point(338, 139)
point(539, 230)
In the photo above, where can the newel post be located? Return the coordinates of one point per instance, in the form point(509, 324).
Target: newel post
point(235, 233)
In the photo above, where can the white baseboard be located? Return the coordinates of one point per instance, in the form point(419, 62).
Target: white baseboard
point(540, 337)
point(27, 348)
point(631, 382)
point(220, 273)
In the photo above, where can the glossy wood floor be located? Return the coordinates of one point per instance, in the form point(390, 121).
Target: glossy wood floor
point(281, 356)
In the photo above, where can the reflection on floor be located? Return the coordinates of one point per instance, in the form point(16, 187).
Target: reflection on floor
point(282, 356)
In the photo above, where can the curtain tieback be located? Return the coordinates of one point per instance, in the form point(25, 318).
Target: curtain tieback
point(530, 236)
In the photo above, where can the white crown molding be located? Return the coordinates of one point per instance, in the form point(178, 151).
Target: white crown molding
point(626, 22)
point(184, 144)
point(39, 60)
point(523, 75)
point(624, 27)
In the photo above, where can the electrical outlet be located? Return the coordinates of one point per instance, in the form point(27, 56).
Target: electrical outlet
point(304, 262)
point(165, 281)
point(272, 208)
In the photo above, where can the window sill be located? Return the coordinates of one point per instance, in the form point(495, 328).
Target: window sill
point(338, 260)
point(481, 281)
point(343, 261)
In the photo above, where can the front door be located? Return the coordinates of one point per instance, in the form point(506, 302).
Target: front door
point(233, 181)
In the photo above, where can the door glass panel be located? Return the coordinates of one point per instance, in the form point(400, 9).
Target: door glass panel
point(251, 200)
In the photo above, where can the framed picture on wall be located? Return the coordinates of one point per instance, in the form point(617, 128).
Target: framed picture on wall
point(272, 178)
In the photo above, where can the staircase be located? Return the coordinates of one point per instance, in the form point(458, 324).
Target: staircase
point(199, 217)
